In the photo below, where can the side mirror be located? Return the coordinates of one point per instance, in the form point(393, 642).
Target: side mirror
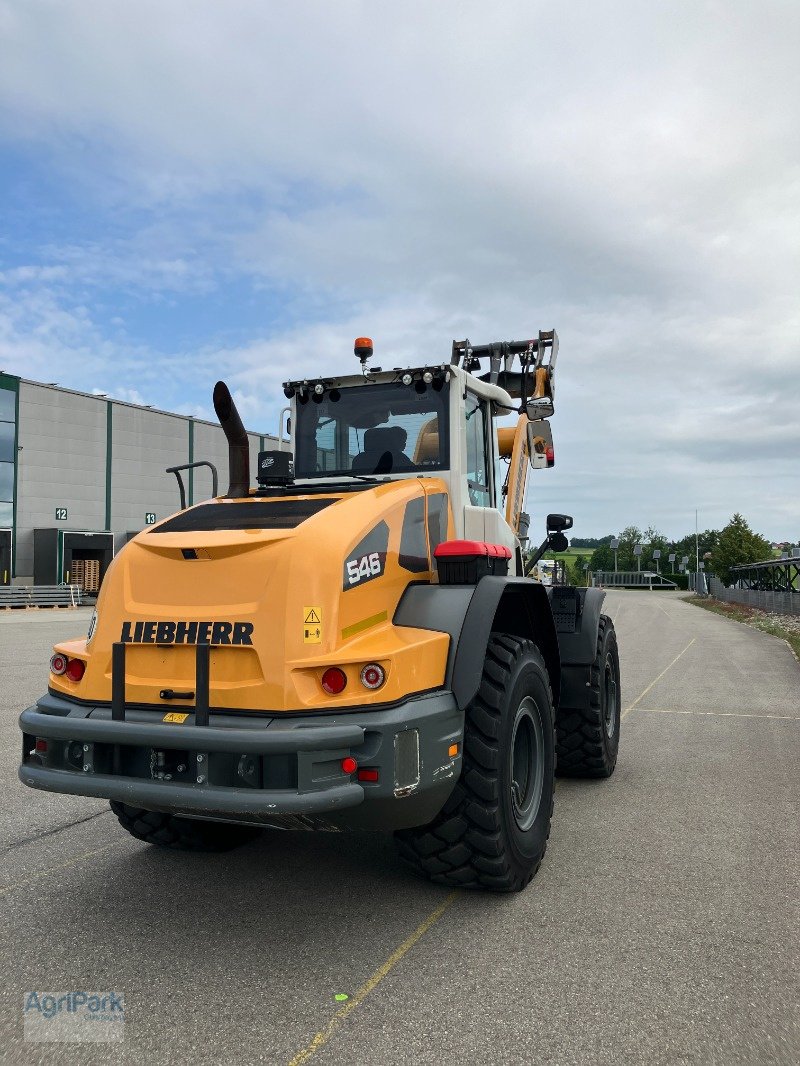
point(558, 542)
point(536, 410)
point(540, 445)
point(554, 541)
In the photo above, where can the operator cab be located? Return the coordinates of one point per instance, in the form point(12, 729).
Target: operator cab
point(372, 428)
point(432, 421)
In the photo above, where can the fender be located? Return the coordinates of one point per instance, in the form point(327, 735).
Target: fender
point(578, 645)
point(471, 613)
point(577, 641)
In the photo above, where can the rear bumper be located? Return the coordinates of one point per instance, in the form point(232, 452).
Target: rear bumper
point(284, 772)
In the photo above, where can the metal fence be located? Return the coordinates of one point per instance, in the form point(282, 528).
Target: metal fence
point(631, 579)
point(766, 600)
point(22, 596)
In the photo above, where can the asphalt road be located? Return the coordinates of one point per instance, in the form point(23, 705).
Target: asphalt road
point(662, 927)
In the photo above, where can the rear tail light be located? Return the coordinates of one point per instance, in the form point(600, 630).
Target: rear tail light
point(334, 680)
point(58, 664)
point(349, 764)
point(369, 773)
point(373, 676)
point(76, 668)
point(550, 455)
point(40, 746)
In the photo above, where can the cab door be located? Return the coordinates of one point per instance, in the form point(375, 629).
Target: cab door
point(482, 519)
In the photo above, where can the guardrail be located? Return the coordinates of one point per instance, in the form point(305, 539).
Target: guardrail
point(26, 596)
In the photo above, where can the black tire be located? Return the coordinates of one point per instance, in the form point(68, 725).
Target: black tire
point(182, 834)
point(491, 834)
point(587, 740)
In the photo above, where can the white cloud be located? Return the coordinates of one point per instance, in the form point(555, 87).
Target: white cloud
point(627, 173)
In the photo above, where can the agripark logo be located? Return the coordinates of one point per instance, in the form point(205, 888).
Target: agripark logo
point(74, 1017)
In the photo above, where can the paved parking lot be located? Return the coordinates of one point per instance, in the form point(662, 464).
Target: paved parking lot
point(662, 927)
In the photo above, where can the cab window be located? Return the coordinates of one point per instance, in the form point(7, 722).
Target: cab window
point(373, 429)
point(478, 458)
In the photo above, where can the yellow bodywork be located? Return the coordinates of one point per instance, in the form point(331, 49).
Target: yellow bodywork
point(286, 583)
point(515, 443)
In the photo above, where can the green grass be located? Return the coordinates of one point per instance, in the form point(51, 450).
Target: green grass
point(751, 616)
point(570, 555)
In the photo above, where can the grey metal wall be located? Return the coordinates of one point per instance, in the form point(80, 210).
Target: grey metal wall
point(143, 444)
point(62, 463)
point(779, 602)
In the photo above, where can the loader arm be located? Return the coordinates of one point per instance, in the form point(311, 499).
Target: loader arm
point(513, 443)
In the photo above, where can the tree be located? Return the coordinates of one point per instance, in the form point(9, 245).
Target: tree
point(738, 544)
point(602, 559)
point(707, 542)
point(575, 572)
point(628, 538)
point(654, 539)
point(591, 542)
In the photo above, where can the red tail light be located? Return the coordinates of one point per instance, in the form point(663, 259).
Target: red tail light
point(550, 455)
point(349, 764)
point(76, 668)
point(334, 680)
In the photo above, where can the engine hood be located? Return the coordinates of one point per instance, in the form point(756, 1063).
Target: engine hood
point(281, 588)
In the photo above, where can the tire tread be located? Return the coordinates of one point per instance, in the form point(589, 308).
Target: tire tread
point(580, 750)
point(464, 846)
point(181, 834)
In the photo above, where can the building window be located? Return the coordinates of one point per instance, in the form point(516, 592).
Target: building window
point(8, 401)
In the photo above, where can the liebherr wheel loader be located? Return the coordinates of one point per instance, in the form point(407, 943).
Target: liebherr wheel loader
point(352, 642)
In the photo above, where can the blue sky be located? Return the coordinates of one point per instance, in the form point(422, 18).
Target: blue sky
point(190, 191)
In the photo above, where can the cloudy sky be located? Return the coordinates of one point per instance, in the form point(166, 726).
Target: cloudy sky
point(195, 190)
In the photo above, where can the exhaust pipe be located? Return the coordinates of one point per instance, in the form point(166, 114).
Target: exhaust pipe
point(238, 442)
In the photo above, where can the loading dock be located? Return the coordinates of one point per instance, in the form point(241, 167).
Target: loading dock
point(6, 561)
point(57, 551)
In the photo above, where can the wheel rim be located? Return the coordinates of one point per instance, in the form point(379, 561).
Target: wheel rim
point(526, 770)
point(610, 687)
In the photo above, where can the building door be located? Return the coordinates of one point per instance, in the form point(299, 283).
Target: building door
point(5, 556)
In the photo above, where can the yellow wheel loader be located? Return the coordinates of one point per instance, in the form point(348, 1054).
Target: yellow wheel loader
point(352, 642)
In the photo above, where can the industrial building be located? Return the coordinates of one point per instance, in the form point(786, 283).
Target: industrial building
point(80, 474)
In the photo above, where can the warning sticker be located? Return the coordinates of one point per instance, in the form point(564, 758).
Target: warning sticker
point(312, 625)
point(173, 716)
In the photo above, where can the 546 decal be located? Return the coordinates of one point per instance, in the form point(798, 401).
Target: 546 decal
point(364, 568)
point(367, 560)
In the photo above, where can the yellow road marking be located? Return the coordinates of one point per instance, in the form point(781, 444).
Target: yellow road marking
point(721, 714)
point(61, 866)
point(324, 1035)
point(663, 611)
point(657, 679)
